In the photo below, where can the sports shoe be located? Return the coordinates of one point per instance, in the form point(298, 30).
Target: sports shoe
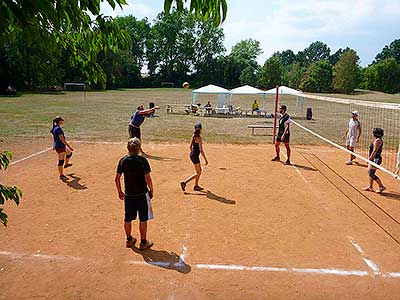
point(67, 166)
point(197, 188)
point(63, 177)
point(276, 158)
point(349, 162)
point(130, 242)
point(287, 162)
point(146, 245)
point(183, 186)
point(381, 189)
point(368, 189)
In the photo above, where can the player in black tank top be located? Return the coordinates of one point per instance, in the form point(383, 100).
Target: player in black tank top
point(375, 155)
point(196, 148)
point(283, 135)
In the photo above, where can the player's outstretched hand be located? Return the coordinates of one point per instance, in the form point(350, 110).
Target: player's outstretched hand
point(121, 196)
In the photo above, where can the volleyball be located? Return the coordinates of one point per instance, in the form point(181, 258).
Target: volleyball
point(186, 85)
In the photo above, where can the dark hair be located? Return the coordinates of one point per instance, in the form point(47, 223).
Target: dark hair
point(284, 107)
point(56, 120)
point(377, 132)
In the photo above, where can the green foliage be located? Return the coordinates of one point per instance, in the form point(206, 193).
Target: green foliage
point(318, 77)
point(383, 76)
point(271, 73)
point(316, 51)
point(287, 57)
point(346, 72)
point(393, 50)
point(248, 76)
point(214, 10)
point(246, 52)
point(295, 75)
point(7, 193)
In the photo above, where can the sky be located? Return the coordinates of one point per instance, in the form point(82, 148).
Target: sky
point(364, 25)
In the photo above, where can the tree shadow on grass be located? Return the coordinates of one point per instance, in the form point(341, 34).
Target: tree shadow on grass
point(210, 195)
point(74, 183)
point(164, 259)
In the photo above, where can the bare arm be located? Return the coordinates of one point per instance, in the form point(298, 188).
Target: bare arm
point(121, 195)
point(148, 111)
point(149, 183)
point(359, 133)
point(286, 128)
point(345, 134)
point(62, 139)
point(202, 150)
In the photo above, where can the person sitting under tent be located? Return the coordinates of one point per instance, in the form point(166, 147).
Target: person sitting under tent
point(208, 108)
point(255, 107)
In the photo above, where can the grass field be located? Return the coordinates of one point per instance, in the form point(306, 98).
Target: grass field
point(261, 229)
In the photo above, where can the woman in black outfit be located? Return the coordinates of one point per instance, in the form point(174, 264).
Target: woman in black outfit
point(375, 155)
point(196, 148)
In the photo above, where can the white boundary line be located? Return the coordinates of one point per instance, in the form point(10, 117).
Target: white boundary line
point(223, 267)
point(372, 265)
point(297, 170)
point(30, 156)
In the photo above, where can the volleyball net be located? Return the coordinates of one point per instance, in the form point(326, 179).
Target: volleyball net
point(327, 119)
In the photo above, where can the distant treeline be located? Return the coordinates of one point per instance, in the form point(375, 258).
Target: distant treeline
point(179, 47)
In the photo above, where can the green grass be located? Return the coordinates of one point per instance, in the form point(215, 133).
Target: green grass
point(104, 115)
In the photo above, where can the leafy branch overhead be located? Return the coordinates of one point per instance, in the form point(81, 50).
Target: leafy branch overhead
point(7, 192)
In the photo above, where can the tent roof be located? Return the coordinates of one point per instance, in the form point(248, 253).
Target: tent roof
point(284, 90)
point(246, 90)
point(211, 89)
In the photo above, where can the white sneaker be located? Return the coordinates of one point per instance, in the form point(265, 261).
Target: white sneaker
point(368, 189)
point(349, 162)
point(381, 189)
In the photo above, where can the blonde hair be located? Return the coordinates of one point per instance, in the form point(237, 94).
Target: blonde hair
point(134, 146)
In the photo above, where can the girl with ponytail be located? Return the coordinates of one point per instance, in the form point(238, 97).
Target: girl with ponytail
point(61, 146)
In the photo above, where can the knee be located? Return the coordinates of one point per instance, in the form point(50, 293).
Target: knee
point(372, 174)
point(69, 155)
point(60, 162)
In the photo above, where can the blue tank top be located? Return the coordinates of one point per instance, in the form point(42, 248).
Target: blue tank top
point(379, 152)
point(57, 131)
point(137, 119)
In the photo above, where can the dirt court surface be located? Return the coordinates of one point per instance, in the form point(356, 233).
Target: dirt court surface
point(261, 231)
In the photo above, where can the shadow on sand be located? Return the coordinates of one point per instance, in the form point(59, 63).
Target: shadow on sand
point(74, 182)
point(164, 259)
point(160, 158)
point(210, 195)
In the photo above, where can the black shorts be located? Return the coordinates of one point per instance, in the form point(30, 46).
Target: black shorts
point(134, 132)
point(377, 160)
point(138, 204)
point(195, 159)
point(285, 140)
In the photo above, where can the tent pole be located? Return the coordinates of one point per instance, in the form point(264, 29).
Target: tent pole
point(275, 112)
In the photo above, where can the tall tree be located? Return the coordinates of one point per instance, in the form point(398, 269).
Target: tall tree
point(316, 51)
point(383, 76)
point(393, 50)
point(334, 58)
point(318, 77)
point(346, 72)
point(287, 57)
point(271, 73)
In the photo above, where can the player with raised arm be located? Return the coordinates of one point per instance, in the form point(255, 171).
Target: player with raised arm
point(375, 155)
point(138, 192)
point(352, 135)
point(137, 120)
point(283, 135)
point(196, 148)
point(61, 146)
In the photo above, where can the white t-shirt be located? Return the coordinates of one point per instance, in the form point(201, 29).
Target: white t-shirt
point(353, 129)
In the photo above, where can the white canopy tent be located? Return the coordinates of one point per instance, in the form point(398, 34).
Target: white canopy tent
point(214, 90)
point(247, 90)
